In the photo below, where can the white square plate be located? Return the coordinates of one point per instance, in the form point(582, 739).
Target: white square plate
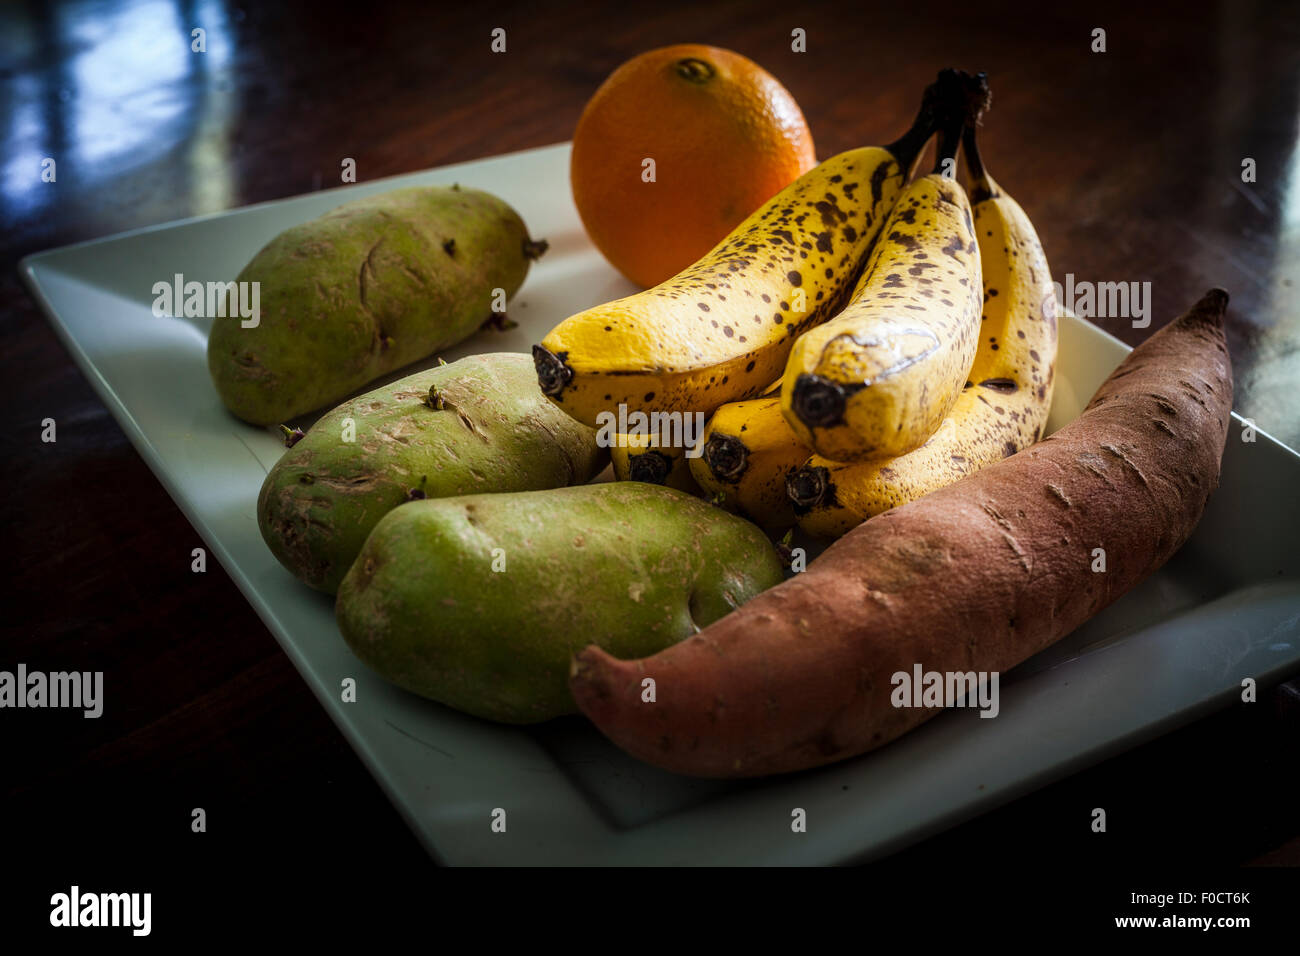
point(1227, 607)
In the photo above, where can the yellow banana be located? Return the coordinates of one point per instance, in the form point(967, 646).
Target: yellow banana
point(638, 457)
point(749, 452)
point(1004, 405)
point(876, 380)
point(721, 330)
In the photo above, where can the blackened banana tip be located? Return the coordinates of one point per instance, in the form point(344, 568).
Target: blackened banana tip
point(553, 373)
point(726, 456)
point(652, 467)
point(806, 486)
point(818, 402)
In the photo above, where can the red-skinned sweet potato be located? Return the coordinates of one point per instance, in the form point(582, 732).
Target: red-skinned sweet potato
point(976, 576)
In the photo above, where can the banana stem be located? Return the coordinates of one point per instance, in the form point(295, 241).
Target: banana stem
point(907, 148)
point(974, 162)
point(980, 184)
point(949, 140)
point(965, 98)
point(982, 187)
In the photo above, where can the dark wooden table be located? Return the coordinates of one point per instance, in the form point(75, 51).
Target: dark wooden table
point(1129, 161)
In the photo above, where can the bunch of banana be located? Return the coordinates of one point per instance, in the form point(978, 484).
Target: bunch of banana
point(876, 380)
point(900, 349)
point(1004, 403)
point(722, 329)
point(749, 452)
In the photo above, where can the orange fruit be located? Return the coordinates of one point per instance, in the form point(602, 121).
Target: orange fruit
point(724, 137)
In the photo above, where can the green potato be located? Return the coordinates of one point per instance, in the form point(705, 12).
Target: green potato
point(480, 602)
point(369, 287)
point(489, 428)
